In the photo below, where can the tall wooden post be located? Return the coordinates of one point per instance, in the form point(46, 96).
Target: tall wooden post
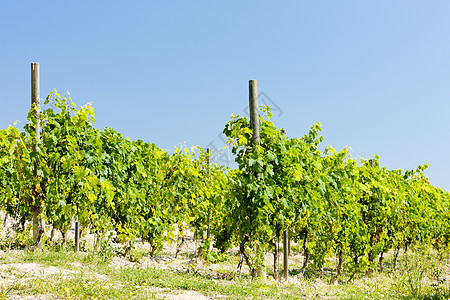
point(35, 96)
point(208, 231)
point(77, 236)
point(35, 102)
point(286, 244)
point(254, 110)
point(254, 120)
point(254, 114)
point(286, 254)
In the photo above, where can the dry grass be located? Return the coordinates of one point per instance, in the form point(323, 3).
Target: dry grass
point(53, 273)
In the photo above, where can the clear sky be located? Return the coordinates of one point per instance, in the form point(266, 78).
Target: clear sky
point(376, 74)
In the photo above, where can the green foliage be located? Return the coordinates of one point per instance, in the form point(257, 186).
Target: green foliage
point(105, 181)
point(334, 205)
point(359, 212)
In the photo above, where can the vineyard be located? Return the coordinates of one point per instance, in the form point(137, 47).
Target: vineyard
point(324, 202)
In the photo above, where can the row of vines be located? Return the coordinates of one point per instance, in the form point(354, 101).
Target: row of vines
point(331, 204)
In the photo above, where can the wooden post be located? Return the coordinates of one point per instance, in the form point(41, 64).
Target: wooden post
point(77, 236)
point(286, 254)
point(35, 95)
point(254, 120)
point(254, 110)
point(286, 244)
point(208, 231)
point(370, 257)
point(254, 114)
point(35, 102)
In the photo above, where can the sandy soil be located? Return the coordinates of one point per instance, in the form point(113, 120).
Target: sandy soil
point(166, 260)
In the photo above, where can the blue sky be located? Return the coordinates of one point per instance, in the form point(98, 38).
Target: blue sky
point(376, 74)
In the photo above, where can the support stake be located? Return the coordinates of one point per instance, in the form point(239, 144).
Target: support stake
point(77, 236)
point(37, 221)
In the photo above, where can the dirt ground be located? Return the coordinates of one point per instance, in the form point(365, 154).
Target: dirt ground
point(11, 272)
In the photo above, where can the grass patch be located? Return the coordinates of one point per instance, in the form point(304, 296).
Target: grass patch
point(88, 276)
point(236, 288)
